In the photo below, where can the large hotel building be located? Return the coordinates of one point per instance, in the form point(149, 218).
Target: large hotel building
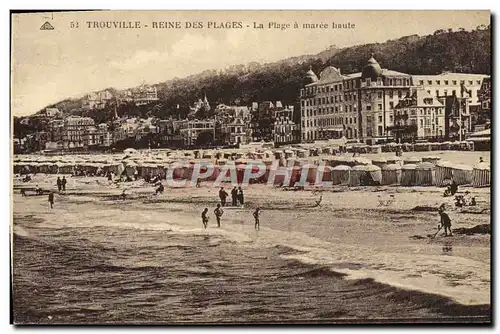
point(361, 105)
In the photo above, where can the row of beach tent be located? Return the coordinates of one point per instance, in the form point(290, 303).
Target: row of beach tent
point(342, 170)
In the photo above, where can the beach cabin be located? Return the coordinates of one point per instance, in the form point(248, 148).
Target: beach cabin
point(481, 175)
point(443, 173)
point(461, 174)
point(408, 175)
point(425, 174)
point(341, 174)
point(365, 175)
point(391, 174)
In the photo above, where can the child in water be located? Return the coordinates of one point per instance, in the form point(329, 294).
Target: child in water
point(218, 214)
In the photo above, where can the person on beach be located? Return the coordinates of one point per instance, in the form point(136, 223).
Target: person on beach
point(241, 198)
point(51, 199)
point(256, 216)
point(481, 159)
point(23, 193)
point(160, 189)
point(59, 184)
point(222, 196)
point(38, 190)
point(63, 183)
point(198, 183)
point(204, 218)
point(234, 196)
point(445, 221)
point(218, 214)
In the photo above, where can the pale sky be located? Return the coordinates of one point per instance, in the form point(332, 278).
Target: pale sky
point(51, 65)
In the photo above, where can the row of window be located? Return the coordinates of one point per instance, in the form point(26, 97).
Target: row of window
point(347, 97)
point(427, 111)
point(318, 135)
point(329, 122)
point(446, 82)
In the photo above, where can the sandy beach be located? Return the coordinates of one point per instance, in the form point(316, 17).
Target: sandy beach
point(352, 235)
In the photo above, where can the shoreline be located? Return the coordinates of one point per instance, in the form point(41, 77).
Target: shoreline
point(189, 200)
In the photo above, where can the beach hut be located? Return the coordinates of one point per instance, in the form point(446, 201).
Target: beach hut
point(432, 159)
point(379, 161)
point(443, 173)
point(408, 175)
point(365, 175)
point(481, 175)
point(340, 174)
point(425, 174)
point(391, 174)
point(411, 160)
point(461, 174)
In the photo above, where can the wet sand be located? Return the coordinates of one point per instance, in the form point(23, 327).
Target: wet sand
point(347, 260)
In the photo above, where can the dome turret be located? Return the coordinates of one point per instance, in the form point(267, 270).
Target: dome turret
point(311, 76)
point(372, 69)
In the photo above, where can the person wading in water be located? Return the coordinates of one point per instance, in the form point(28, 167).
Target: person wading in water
point(51, 199)
point(256, 216)
point(204, 218)
point(218, 214)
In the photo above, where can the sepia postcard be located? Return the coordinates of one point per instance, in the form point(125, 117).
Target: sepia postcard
point(251, 167)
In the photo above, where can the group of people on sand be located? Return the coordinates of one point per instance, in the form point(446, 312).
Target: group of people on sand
point(218, 212)
point(61, 183)
point(236, 196)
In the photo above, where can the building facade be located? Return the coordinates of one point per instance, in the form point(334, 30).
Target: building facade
point(191, 131)
point(75, 131)
point(447, 84)
point(286, 131)
point(419, 115)
point(358, 106)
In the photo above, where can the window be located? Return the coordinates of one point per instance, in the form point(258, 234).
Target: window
point(355, 120)
point(400, 94)
point(336, 109)
point(379, 95)
point(438, 82)
point(462, 82)
point(446, 82)
point(368, 119)
point(391, 105)
point(380, 119)
point(478, 82)
point(350, 120)
point(454, 82)
point(429, 91)
point(437, 92)
point(390, 118)
point(380, 130)
point(421, 122)
point(429, 82)
point(368, 108)
point(391, 94)
point(335, 87)
point(470, 82)
point(454, 92)
point(380, 106)
point(445, 92)
point(421, 82)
